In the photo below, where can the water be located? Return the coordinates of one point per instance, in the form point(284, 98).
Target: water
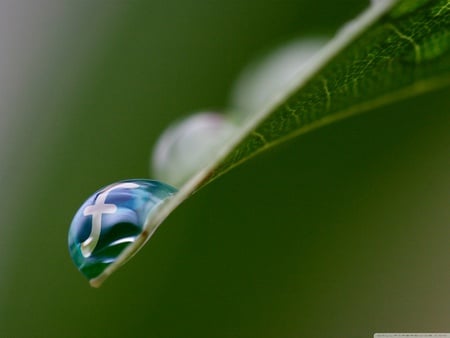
point(110, 221)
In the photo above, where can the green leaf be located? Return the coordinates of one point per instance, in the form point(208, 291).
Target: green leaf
point(379, 58)
point(393, 50)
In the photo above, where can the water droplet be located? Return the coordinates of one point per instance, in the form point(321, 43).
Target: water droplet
point(110, 221)
point(186, 146)
point(261, 82)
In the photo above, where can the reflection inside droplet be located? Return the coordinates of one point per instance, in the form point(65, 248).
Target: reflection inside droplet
point(112, 219)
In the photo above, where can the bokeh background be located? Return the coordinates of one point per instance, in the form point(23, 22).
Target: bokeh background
point(343, 232)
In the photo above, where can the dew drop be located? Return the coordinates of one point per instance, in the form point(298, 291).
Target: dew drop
point(110, 221)
point(262, 81)
point(187, 145)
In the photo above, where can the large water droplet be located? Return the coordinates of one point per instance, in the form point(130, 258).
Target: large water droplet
point(110, 221)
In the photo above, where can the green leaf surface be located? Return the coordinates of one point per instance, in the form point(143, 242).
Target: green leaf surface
point(403, 53)
point(393, 50)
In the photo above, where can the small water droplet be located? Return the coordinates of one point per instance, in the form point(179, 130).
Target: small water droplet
point(187, 145)
point(112, 219)
point(261, 82)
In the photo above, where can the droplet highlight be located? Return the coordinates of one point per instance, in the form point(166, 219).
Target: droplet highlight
point(111, 220)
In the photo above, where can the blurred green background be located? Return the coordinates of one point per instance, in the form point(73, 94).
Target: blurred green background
point(342, 232)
